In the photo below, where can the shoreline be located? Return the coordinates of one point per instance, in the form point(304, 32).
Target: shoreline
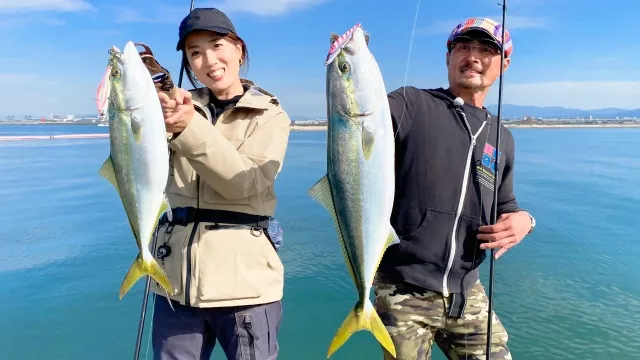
point(297, 128)
point(560, 126)
point(517, 126)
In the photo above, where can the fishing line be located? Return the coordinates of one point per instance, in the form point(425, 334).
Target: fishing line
point(406, 71)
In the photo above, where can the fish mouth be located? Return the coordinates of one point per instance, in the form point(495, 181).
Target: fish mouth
point(361, 114)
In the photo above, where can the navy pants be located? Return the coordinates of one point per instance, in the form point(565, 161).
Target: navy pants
point(243, 332)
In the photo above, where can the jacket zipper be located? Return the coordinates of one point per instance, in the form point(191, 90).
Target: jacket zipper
point(463, 193)
point(187, 287)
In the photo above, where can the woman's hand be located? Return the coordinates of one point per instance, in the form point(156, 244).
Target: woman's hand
point(177, 112)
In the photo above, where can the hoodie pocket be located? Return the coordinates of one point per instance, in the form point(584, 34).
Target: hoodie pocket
point(468, 252)
point(430, 241)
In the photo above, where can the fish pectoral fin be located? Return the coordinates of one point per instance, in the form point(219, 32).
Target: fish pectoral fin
point(108, 172)
point(368, 139)
point(362, 318)
point(140, 268)
point(136, 129)
point(321, 192)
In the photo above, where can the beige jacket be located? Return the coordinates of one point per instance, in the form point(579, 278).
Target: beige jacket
point(229, 166)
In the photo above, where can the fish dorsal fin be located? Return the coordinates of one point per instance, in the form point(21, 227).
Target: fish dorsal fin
point(368, 138)
point(321, 192)
point(107, 171)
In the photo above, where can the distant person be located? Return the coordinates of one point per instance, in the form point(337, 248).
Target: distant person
point(228, 143)
point(428, 289)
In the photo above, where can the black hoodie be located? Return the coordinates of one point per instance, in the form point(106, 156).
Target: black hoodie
point(444, 188)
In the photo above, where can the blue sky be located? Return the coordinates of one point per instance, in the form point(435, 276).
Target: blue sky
point(571, 53)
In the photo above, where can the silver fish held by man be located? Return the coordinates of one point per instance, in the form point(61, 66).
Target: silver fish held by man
point(138, 163)
point(358, 189)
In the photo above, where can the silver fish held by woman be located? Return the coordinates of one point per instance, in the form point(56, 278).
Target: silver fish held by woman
point(138, 163)
point(358, 189)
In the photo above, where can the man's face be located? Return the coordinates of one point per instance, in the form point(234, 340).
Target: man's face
point(474, 64)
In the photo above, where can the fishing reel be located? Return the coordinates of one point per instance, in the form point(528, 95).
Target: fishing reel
point(160, 75)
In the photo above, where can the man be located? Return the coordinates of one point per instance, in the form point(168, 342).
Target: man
point(427, 287)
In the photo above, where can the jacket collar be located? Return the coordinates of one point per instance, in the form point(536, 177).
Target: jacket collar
point(254, 97)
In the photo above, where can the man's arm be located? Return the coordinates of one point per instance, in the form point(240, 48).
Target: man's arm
point(507, 202)
point(506, 198)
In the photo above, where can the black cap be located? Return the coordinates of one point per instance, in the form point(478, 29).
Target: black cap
point(204, 19)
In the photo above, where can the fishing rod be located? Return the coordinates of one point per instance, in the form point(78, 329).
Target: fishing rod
point(494, 207)
point(143, 311)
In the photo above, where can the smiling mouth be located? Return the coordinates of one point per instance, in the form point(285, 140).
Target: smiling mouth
point(215, 74)
point(471, 71)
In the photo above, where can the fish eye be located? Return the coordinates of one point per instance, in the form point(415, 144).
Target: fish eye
point(344, 67)
point(115, 72)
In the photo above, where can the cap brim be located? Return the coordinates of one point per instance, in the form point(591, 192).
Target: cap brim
point(216, 29)
point(479, 34)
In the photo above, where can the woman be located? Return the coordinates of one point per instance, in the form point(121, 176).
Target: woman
point(227, 140)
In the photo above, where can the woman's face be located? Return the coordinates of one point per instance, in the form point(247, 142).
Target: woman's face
point(215, 60)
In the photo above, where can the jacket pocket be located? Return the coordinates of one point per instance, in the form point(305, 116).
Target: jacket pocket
point(169, 253)
point(182, 178)
point(468, 252)
point(430, 241)
point(231, 263)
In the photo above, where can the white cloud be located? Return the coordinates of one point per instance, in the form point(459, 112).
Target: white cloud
point(571, 94)
point(265, 7)
point(44, 5)
point(16, 22)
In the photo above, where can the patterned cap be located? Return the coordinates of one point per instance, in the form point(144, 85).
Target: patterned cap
point(490, 27)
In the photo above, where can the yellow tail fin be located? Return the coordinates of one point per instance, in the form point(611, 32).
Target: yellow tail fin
point(141, 268)
point(362, 318)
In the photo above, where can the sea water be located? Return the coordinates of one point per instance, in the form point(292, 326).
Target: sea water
point(571, 290)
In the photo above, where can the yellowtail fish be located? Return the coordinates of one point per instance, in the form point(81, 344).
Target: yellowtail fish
point(138, 163)
point(358, 189)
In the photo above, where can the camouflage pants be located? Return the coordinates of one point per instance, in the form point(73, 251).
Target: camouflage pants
point(415, 318)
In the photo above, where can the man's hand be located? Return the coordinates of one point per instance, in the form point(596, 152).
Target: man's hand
point(177, 112)
point(508, 231)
